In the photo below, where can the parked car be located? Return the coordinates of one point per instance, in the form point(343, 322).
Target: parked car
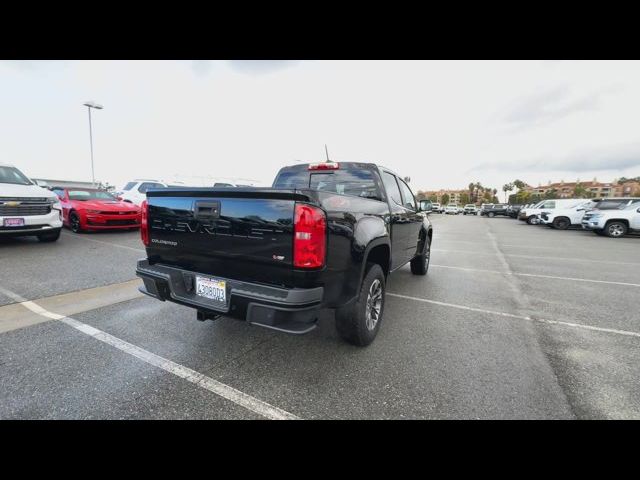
point(514, 209)
point(85, 209)
point(564, 218)
point(135, 191)
point(325, 236)
point(532, 215)
point(484, 207)
point(613, 223)
point(496, 209)
point(437, 208)
point(27, 209)
point(470, 209)
point(452, 209)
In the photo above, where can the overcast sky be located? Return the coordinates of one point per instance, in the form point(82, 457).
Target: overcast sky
point(443, 123)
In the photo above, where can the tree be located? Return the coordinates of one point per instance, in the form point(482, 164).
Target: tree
point(580, 191)
point(464, 198)
point(420, 195)
point(434, 198)
point(552, 193)
point(445, 199)
point(507, 187)
point(519, 184)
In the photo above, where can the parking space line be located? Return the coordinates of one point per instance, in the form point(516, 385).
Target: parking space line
point(519, 317)
point(537, 257)
point(80, 237)
point(225, 391)
point(538, 275)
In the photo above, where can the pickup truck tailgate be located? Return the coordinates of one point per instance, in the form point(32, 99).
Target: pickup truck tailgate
point(228, 232)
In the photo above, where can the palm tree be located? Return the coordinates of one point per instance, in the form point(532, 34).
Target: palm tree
point(507, 187)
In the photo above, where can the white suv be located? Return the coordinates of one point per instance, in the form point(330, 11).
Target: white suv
point(136, 191)
point(27, 209)
point(614, 222)
point(563, 218)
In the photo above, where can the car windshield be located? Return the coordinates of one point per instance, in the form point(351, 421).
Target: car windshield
point(84, 195)
point(129, 186)
point(14, 176)
point(611, 204)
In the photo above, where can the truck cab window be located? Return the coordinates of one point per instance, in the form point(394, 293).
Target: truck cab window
point(391, 186)
point(409, 199)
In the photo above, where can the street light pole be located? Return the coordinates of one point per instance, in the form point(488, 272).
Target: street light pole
point(89, 106)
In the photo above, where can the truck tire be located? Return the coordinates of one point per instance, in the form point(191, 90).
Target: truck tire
point(532, 220)
point(359, 322)
point(615, 229)
point(561, 223)
point(420, 263)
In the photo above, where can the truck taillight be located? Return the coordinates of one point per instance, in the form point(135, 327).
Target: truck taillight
point(309, 237)
point(144, 223)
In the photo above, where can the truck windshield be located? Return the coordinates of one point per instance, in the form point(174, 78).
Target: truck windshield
point(14, 176)
point(358, 182)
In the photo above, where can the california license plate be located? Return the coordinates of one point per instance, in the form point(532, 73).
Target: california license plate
point(212, 288)
point(13, 222)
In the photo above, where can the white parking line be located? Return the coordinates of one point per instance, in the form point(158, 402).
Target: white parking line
point(81, 237)
point(537, 275)
point(519, 317)
point(537, 257)
point(220, 389)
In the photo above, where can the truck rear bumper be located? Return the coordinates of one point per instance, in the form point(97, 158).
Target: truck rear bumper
point(287, 310)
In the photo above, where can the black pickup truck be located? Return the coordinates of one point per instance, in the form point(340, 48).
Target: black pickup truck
point(325, 236)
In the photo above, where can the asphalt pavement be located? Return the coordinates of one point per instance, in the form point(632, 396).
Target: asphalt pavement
point(512, 321)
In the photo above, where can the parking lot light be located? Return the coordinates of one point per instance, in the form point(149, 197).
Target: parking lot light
point(90, 105)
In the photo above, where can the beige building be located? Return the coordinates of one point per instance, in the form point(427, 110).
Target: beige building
point(596, 189)
point(454, 195)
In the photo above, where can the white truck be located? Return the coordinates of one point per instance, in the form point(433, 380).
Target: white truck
point(136, 191)
point(563, 218)
point(614, 223)
point(532, 215)
point(27, 209)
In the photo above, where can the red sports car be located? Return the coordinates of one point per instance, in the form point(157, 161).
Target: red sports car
point(89, 209)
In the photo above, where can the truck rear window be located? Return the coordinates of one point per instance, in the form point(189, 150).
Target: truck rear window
point(356, 182)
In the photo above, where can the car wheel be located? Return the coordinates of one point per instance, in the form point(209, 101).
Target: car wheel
point(49, 237)
point(491, 214)
point(532, 220)
point(615, 229)
point(420, 263)
point(561, 223)
point(74, 222)
point(359, 322)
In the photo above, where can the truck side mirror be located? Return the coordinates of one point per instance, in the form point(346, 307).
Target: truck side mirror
point(425, 206)
point(638, 210)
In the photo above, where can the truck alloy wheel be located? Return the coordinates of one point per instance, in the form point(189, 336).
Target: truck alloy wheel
point(616, 229)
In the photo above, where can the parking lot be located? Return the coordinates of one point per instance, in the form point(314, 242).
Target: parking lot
point(512, 321)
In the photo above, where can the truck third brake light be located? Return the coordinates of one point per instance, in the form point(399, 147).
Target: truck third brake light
point(324, 166)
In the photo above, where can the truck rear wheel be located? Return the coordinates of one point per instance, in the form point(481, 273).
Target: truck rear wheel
point(359, 322)
point(420, 264)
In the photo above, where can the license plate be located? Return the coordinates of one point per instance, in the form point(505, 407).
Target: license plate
point(212, 289)
point(13, 222)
